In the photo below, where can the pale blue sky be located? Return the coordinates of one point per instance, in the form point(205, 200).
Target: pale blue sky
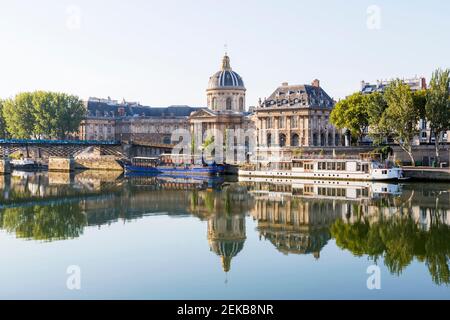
point(163, 52)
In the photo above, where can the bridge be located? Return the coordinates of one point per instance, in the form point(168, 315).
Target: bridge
point(43, 149)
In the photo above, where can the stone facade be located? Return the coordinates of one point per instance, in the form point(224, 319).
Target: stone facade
point(98, 128)
point(295, 116)
point(150, 130)
point(110, 120)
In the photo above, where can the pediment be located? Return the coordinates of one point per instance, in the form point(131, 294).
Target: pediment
point(204, 113)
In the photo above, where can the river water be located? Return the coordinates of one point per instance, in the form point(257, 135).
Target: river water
point(97, 235)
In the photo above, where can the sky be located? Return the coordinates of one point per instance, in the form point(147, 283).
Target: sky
point(162, 53)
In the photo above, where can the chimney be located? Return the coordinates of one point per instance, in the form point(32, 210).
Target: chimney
point(285, 84)
point(316, 83)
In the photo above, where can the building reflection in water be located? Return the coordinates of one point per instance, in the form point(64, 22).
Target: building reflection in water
point(225, 212)
point(397, 224)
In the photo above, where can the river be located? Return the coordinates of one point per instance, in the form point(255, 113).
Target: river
point(99, 235)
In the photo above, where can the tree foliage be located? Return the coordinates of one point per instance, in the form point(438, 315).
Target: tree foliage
point(351, 113)
point(42, 114)
point(438, 106)
point(18, 115)
point(398, 240)
point(401, 117)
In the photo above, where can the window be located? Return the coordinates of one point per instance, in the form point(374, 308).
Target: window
point(298, 164)
point(281, 122)
point(229, 104)
point(315, 140)
point(214, 102)
point(269, 123)
point(295, 141)
point(294, 122)
point(336, 140)
point(241, 104)
point(282, 140)
point(269, 140)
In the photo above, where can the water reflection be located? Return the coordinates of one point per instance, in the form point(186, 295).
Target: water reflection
point(395, 224)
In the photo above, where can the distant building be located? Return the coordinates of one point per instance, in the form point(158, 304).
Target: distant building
point(110, 120)
point(416, 84)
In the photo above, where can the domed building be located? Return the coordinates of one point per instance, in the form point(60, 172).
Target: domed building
point(226, 236)
point(226, 89)
point(226, 110)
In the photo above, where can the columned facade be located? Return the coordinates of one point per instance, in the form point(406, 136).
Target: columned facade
point(294, 117)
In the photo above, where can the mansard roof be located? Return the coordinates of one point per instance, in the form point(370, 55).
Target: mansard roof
point(298, 96)
point(101, 109)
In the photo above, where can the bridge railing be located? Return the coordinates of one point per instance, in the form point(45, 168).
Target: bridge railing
point(58, 142)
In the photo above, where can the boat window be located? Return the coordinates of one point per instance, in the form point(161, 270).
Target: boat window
point(298, 164)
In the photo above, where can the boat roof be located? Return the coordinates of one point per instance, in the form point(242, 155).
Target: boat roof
point(145, 158)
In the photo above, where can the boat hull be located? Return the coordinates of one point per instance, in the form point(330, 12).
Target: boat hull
point(190, 171)
point(377, 175)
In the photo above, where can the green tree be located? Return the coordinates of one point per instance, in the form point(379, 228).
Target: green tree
point(351, 113)
point(438, 106)
point(43, 114)
point(19, 117)
point(376, 106)
point(420, 101)
point(401, 116)
point(3, 131)
point(70, 111)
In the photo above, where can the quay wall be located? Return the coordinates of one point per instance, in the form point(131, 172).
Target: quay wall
point(103, 163)
point(429, 174)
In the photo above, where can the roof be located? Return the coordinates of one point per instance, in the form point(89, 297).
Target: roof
point(296, 96)
point(102, 109)
point(226, 78)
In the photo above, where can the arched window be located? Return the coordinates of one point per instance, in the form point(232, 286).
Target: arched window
point(282, 140)
point(337, 140)
point(315, 140)
point(229, 104)
point(295, 141)
point(322, 140)
point(330, 140)
point(241, 104)
point(269, 140)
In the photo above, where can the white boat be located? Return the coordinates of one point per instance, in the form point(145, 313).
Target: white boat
point(365, 168)
point(23, 164)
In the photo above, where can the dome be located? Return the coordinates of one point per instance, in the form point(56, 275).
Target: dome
point(226, 78)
